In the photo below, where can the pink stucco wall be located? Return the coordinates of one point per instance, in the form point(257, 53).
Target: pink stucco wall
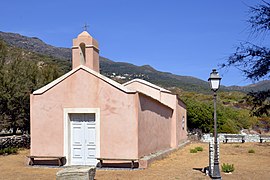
point(181, 130)
point(178, 134)
point(118, 116)
point(154, 93)
point(131, 124)
point(154, 126)
point(170, 100)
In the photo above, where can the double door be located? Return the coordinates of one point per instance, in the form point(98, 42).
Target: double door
point(83, 139)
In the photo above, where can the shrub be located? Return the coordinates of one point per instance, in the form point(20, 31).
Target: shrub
point(8, 151)
point(193, 151)
point(199, 148)
point(227, 167)
point(13, 150)
point(251, 151)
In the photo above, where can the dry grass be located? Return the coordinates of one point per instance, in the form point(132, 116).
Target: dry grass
point(178, 165)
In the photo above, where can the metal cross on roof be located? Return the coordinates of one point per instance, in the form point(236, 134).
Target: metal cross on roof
point(85, 27)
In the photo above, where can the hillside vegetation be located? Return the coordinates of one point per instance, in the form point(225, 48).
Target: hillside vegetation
point(28, 64)
point(22, 72)
point(121, 71)
point(232, 112)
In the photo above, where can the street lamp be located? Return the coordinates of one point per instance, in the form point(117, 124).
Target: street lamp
point(214, 81)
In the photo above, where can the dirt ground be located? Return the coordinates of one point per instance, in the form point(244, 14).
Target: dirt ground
point(179, 165)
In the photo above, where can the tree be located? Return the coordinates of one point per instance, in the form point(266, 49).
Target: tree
point(19, 78)
point(200, 113)
point(254, 60)
point(260, 102)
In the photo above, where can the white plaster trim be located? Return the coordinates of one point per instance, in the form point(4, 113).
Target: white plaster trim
point(92, 46)
point(98, 75)
point(87, 46)
point(55, 82)
point(68, 111)
point(148, 84)
point(75, 47)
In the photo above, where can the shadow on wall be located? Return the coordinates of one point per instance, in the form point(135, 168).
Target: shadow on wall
point(152, 105)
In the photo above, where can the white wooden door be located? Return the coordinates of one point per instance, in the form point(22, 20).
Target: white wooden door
point(83, 139)
point(90, 139)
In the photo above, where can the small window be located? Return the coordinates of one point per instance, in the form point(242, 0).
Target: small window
point(183, 122)
point(82, 53)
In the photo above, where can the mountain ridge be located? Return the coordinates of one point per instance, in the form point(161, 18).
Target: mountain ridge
point(123, 71)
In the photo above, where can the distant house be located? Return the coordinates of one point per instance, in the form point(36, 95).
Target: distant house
point(84, 115)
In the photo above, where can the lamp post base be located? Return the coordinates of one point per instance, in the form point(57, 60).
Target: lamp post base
point(216, 172)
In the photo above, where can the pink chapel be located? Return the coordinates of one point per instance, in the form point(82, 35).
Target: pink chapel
point(88, 118)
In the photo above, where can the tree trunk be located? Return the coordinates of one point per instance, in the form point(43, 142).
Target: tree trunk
point(14, 130)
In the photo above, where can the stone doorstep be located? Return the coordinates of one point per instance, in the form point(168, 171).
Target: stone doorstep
point(145, 161)
point(76, 173)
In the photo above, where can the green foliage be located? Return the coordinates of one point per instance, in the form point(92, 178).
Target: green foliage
point(199, 112)
point(227, 167)
point(193, 151)
point(196, 149)
point(251, 151)
point(8, 151)
point(230, 118)
point(18, 78)
point(199, 148)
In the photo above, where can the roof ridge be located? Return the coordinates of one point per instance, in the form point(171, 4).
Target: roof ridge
point(63, 77)
point(147, 83)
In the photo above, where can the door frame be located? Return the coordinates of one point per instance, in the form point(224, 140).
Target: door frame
point(67, 140)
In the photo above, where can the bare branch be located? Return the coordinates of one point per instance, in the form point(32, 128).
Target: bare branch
point(260, 20)
point(252, 60)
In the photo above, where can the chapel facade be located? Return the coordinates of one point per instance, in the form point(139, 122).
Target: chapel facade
point(86, 117)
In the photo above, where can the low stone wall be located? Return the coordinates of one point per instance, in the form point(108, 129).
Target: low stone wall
point(22, 141)
point(221, 138)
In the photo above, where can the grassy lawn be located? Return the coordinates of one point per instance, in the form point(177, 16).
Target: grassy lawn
point(178, 165)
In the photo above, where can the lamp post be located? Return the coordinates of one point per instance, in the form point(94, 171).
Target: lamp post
point(214, 81)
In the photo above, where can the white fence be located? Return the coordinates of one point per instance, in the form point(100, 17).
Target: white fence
point(221, 138)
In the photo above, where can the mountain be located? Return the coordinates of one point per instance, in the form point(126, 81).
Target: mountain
point(121, 71)
point(34, 44)
point(260, 86)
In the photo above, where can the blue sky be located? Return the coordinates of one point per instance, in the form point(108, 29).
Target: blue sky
point(182, 37)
